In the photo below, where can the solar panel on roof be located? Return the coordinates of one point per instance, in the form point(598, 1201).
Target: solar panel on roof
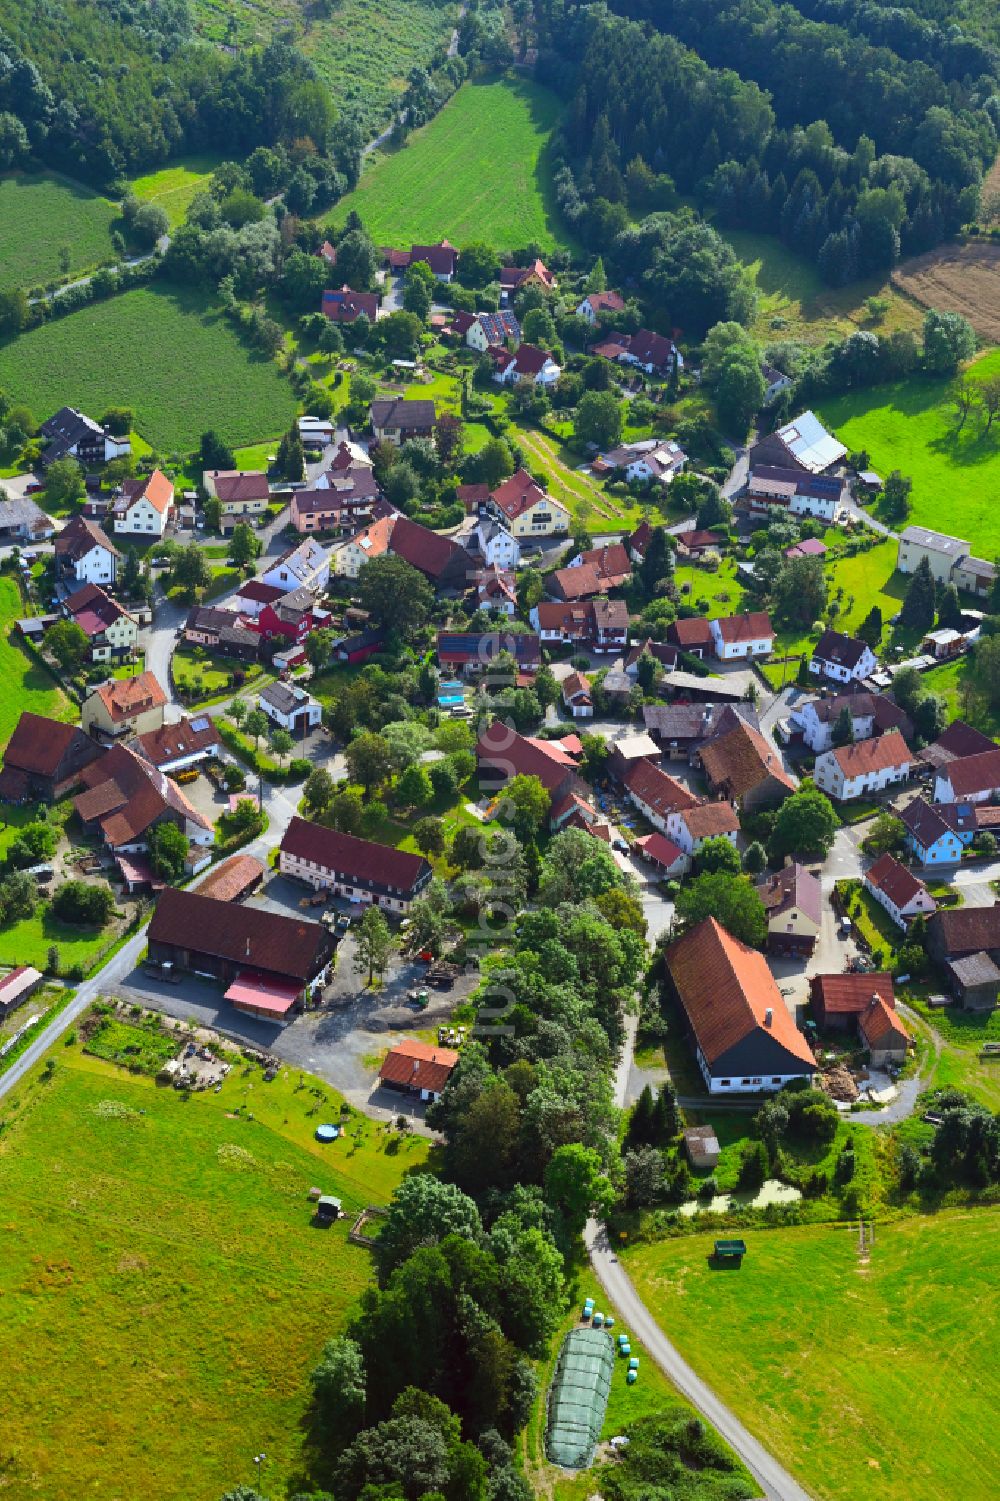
point(201, 723)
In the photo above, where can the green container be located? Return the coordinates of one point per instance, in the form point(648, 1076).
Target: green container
point(632, 1377)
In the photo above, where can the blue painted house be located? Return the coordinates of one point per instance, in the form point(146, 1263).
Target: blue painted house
point(937, 833)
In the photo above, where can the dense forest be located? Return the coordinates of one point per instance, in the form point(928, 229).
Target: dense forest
point(853, 152)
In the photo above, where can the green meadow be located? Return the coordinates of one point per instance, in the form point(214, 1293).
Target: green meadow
point(161, 1280)
point(172, 188)
point(46, 218)
point(479, 171)
point(868, 1379)
point(168, 353)
point(909, 426)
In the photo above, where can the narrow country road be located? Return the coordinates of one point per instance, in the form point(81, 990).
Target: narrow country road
point(775, 1482)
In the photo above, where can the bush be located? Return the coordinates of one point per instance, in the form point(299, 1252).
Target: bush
point(85, 903)
point(299, 768)
point(754, 1167)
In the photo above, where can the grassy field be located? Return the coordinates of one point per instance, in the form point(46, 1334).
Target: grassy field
point(160, 1276)
point(168, 354)
point(444, 182)
point(955, 474)
point(173, 187)
point(873, 1381)
point(364, 50)
point(24, 684)
point(42, 216)
point(795, 303)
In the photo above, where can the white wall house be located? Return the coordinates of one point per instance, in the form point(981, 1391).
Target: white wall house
point(896, 889)
point(690, 827)
point(145, 506)
point(842, 659)
point(99, 565)
point(816, 723)
point(498, 547)
point(970, 779)
point(306, 566)
point(852, 771)
point(738, 637)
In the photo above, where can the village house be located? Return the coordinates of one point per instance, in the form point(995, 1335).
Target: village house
point(692, 545)
point(472, 652)
point(736, 637)
point(972, 779)
point(71, 434)
point(941, 552)
point(844, 659)
point(681, 729)
point(692, 635)
point(867, 1002)
point(144, 507)
point(221, 631)
point(965, 942)
point(111, 631)
point(442, 561)
point(838, 1000)
point(395, 420)
point(653, 353)
point(655, 794)
point(809, 547)
point(793, 901)
point(349, 457)
point(83, 551)
point(268, 961)
point(772, 486)
point(21, 520)
point(253, 595)
point(495, 590)
point(290, 707)
point(597, 305)
point(293, 616)
point(497, 546)
point(44, 759)
point(125, 797)
point(514, 279)
point(600, 623)
point(663, 654)
point(358, 647)
point(743, 766)
point(850, 771)
point(242, 494)
point(628, 749)
point(576, 696)
point(743, 1036)
point(358, 869)
point(898, 890)
point(501, 754)
point(179, 746)
point(871, 714)
point(123, 706)
point(775, 381)
point(306, 566)
point(348, 503)
point(418, 1069)
point(596, 571)
point(953, 744)
point(646, 460)
point(690, 827)
point(526, 510)
point(526, 363)
point(802, 444)
point(442, 258)
point(492, 331)
point(346, 306)
point(934, 835)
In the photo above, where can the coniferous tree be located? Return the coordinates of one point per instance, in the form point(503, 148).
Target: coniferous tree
point(918, 607)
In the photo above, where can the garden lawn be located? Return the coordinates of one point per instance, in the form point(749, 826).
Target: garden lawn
point(24, 682)
point(169, 354)
point(481, 170)
point(795, 303)
point(41, 216)
point(908, 426)
point(162, 1280)
point(173, 187)
point(28, 942)
point(874, 1382)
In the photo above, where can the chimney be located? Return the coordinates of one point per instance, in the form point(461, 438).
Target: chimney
point(768, 1017)
point(248, 946)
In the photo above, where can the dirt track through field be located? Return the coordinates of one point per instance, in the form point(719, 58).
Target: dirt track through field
point(960, 279)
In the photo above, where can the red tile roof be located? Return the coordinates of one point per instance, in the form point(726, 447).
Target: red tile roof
point(872, 755)
point(656, 789)
point(123, 697)
point(741, 760)
point(753, 627)
point(517, 494)
point(659, 848)
point(504, 751)
point(851, 994)
point(39, 744)
point(169, 742)
point(347, 856)
point(78, 537)
point(418, 1066)
point(881, 1025)
point(157, 489)
point(691, 631)
point(232, 878)
point(894, 880)
point(729, 995)
point(234, 484)
point(972, 774)
point(710, 820)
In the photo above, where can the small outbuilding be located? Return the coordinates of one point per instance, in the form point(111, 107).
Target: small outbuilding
point(328, 1209)
point(702, 1146)
point(16, 987)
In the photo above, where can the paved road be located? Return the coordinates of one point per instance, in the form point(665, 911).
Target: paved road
point(115, 973)
point(775, 1482)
